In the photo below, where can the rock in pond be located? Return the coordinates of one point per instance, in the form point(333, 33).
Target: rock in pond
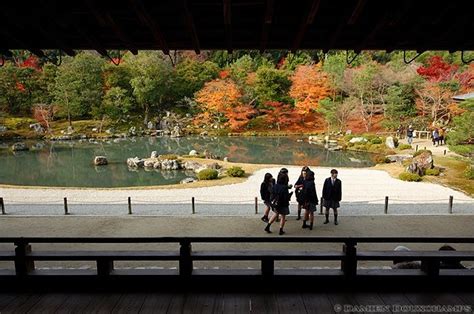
point(187, 180)
point(17, 147)
point(100, 161)
point(193, 153)
point(135, 162)
point(357, 140)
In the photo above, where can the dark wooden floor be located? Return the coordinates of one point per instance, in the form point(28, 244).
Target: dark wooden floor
point(221, 302)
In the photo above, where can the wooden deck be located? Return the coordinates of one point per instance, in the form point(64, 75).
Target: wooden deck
point(297, 302)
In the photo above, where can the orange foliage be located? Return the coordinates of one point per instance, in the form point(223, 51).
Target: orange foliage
point(309, 85)
point(218, 95)
point(239, 116)
point(280, 114)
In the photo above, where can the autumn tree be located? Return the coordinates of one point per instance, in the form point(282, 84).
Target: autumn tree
point(309, 86)
point(271, 84)
point(279, 114)
point(239, 116)
point(337, 114)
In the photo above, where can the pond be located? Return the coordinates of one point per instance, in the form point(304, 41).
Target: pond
point(69, 164)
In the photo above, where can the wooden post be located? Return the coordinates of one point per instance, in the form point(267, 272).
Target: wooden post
point(104, 266)
point(185, 261)
point(193, 206)
point(66, 211)
point(425, 148)
point(450, 205)
point(416, 148)
point(23, 265)
point(2, 205)
point(130, 205)
point(256, 205)
point(321, 205)
point(268, 267)
point(445, 152)
point(386, 205)
point(349, 262)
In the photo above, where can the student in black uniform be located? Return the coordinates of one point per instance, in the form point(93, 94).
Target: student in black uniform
point(280, 202)
point(299, 189)
point(310, 199)
point(332, 195)
point(265, 193)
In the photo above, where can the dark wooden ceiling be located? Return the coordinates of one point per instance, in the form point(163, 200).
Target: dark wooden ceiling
point(237, 24)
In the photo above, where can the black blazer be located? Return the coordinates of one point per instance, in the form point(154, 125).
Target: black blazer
point(265, 191)
point(309, 192)
point(330, 192)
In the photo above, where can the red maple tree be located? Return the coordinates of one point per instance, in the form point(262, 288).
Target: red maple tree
point(279, 114)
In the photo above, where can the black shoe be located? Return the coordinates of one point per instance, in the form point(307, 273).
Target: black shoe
point(336, 223)
point(326, 222)
point(267, 229)
point(304, 226)
point(299, 218)
point(310, 227)
point(282, 232)
point(264, 219)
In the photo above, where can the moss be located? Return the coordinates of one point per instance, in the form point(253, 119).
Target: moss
point(404, 146)
point(422, 151)
point(376, 140)
point(469, 172)
point(237, 172)
point(432, 172)
point(169, 157)
point(382, 159)
point(207, 174)
point(407, 176)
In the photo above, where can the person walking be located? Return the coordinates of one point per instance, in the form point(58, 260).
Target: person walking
point(310, 200)
point(299, 189)
point(280, 202)
point(441, 136)
point(410, 131)
point(435, 137)
point(265, 193)
point(332, 195)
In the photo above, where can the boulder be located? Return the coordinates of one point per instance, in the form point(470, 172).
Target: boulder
point(193, 153)
point(70, 130)
point(17, 147)
point(135, 162)
point(226, 159)
point(421, 162)
point(170, 164)
point(100, 161)
point(3, 128)
point(157, 165)
point(192, 165)
point(203, 133)
point(348, 132)
point(214, 165)
point(176, 132)
point(398, 157)
point(149, 163)
point(326, 139)
point(187, 180)
point(37, 127)
point(357, 140)
point(154, 154)
point(389, 142)
point(132, 131)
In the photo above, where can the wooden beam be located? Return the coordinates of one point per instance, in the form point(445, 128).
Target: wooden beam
point(106, 20)
point(227, 24)
point(145, 18)
point(267, 21)
point(308, 20)
point(192, 27)
point(89, 37)
point(357, 12)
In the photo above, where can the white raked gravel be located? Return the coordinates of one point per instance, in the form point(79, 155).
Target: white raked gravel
point(363, 191)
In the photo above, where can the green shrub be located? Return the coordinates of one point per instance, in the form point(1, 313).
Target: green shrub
point(407, 176)
point(432, 172)
point(464, 150)
point(421, 151)
point(169, 156)
point(376, 148)
point(469, 172)
point(376, 140)
point(207, 174)
point(404, 146)
point(235, 172)
point(382, 159)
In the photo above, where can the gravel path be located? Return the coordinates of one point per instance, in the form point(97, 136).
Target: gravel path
point(364, 191)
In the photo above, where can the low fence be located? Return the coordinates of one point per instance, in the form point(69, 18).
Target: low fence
point(194, 206)
point(24, 257)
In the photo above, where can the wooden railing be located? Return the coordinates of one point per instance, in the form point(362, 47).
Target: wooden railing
point(24, 257)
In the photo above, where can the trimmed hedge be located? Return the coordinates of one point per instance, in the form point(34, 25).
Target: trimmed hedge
point(235, 172)
point(407, 176)
point(207, 174)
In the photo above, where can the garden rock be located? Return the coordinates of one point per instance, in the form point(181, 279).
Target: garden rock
point(100, 161)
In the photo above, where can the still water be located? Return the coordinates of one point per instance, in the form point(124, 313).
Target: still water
point(69, 164)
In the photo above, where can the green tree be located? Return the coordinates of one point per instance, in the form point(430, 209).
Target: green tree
point(151, 81)
point(190, 76)
point(79, 85)
point(272, 85)
point(462, 134)
point(116, 104)
point(400, 105)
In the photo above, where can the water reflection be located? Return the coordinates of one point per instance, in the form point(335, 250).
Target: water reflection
point(70, 163)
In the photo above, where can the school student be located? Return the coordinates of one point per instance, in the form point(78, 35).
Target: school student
point(280, 202)
point(310, 200)
point(299, 189)
point(332, 195)
point(265, 193)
